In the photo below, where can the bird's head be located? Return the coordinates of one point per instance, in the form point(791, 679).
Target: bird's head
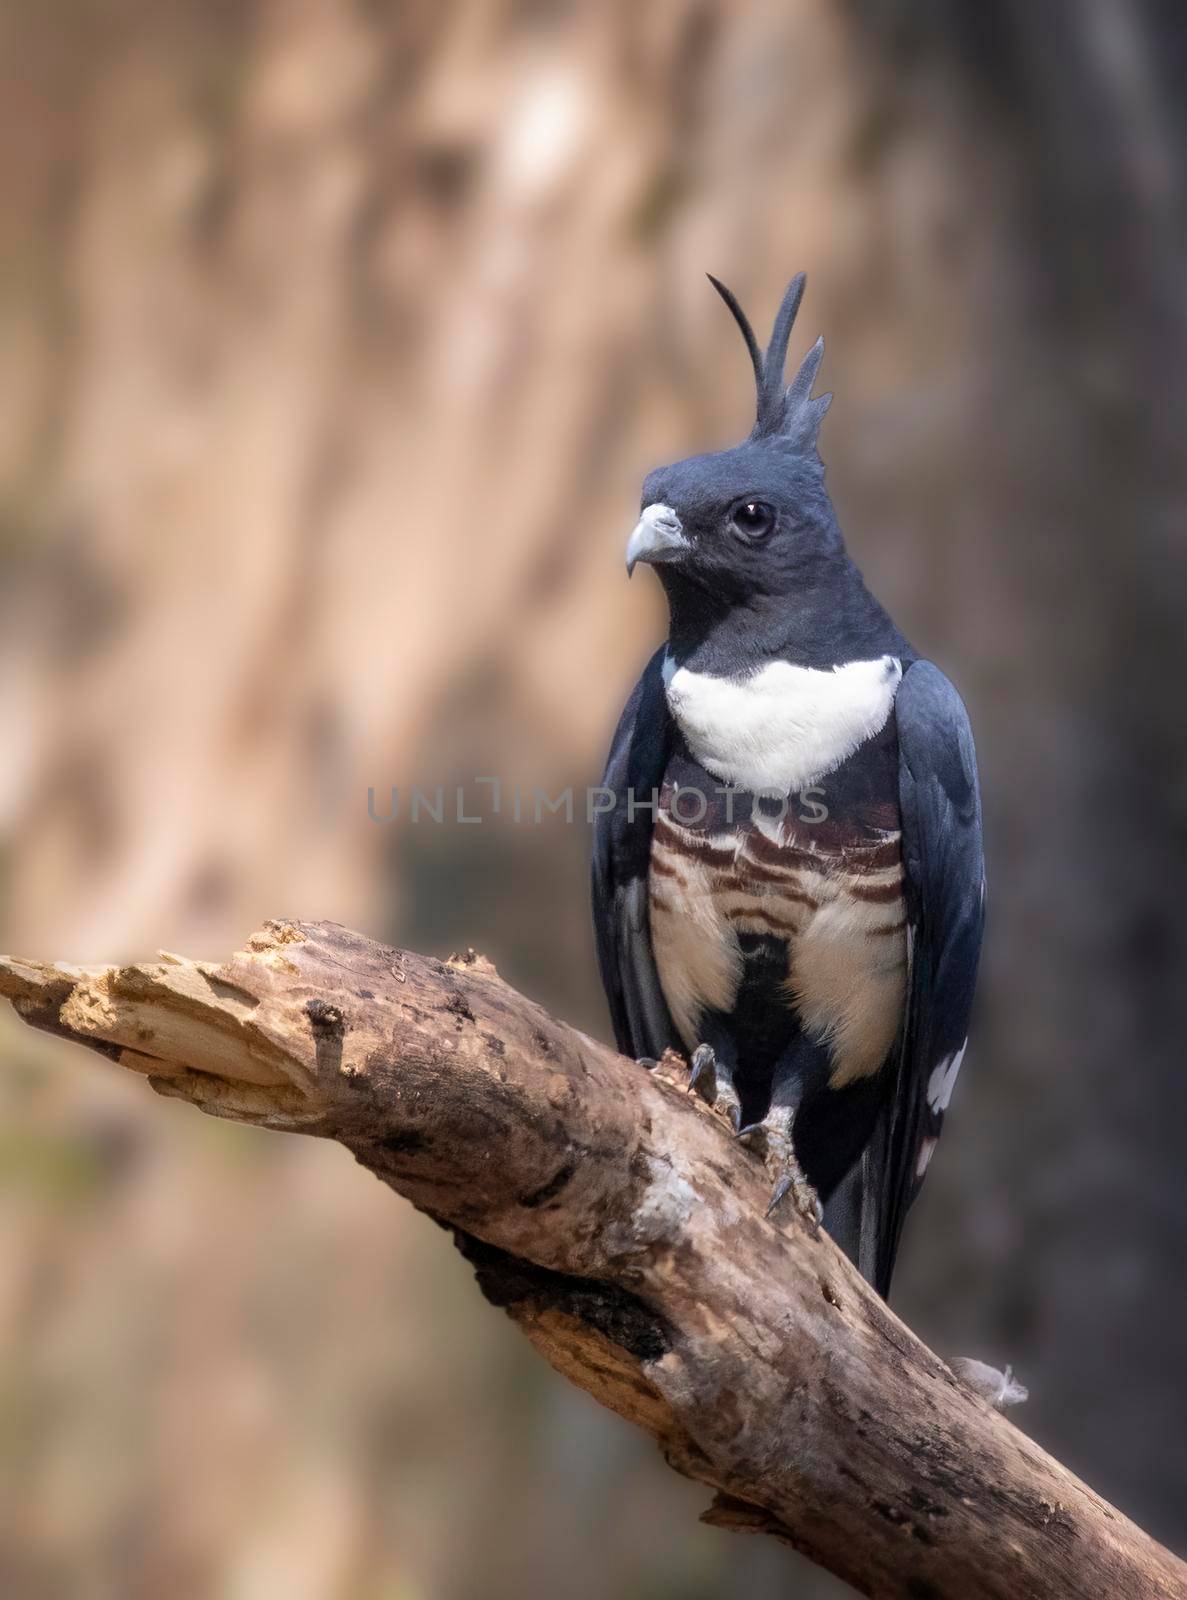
point(737, 526)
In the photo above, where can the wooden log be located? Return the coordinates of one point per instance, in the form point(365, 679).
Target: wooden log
point(614, 1219)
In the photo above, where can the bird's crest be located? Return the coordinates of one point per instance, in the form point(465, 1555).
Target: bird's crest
point(784, 415)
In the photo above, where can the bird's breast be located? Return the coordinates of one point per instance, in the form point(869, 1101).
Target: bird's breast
point(826, 889)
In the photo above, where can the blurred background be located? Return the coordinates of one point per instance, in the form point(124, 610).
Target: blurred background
point(335, 339)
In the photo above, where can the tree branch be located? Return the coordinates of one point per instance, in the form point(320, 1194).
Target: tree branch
point(616, 1222)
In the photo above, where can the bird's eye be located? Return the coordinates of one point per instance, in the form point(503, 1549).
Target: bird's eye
point(754, 519)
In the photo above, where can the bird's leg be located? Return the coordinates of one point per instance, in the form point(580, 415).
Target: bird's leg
point(772, 1139)
point(711, 1076)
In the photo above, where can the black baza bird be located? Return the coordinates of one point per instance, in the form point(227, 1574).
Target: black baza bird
point(815, 959)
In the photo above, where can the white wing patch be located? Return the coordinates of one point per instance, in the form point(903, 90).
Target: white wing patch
point(927, 1149)
point(781, 729)
point(943, 1080)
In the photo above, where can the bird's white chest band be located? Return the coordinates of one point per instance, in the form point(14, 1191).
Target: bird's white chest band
point(785, 727)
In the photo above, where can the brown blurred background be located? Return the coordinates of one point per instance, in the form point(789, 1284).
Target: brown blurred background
point(335, 339)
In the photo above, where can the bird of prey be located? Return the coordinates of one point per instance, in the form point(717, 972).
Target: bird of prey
point(788, 886)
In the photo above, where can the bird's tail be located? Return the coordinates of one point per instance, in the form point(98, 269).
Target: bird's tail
point(853, 1213)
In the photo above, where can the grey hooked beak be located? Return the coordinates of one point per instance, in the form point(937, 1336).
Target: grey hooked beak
point(658, 536)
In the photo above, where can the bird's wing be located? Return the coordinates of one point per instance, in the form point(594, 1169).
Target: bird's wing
point(621, 860)
point(945, 887)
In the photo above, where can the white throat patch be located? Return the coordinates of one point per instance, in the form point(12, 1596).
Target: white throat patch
point(783, 728)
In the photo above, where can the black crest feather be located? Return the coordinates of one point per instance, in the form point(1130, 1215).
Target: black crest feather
point(791, 413)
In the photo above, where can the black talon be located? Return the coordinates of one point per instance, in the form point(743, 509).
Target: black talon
point(646, 1061)
point(772, 1142)
point(779, 1194)
point(713, 1081)
point(807, 1202)
point(703, 1073)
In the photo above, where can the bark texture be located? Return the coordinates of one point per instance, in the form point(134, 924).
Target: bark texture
point(609, 1213)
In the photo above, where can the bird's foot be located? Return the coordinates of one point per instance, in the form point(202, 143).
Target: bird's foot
point(714, 1086)
point(771, 1139)
point(647, 1061)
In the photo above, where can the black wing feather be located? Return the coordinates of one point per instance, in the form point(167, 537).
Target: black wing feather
point(945, 886)
point(621, 861)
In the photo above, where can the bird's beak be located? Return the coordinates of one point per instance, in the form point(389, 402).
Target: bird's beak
point(658, 537)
